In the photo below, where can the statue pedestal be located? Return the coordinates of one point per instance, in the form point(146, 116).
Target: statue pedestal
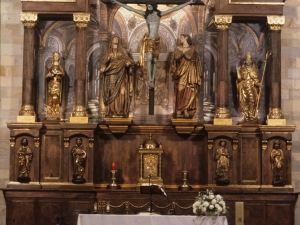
point(184, 126)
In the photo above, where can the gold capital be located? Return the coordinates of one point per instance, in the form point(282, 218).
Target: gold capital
point(81, 19)
point(29, 19)
point(222, 22)
point(275, 22)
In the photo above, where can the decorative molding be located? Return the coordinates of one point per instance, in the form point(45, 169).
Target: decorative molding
point(29, 19)
point(275, 22)
point(81, 19)
point(222, 22)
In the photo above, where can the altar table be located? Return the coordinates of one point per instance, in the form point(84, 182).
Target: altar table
point(112, 219)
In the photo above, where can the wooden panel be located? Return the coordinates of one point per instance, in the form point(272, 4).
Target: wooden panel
point(178, 150)
point(49, 210)
point(250, 166)
point(279, 214)
point(21, 212)
point(55, 7)
point(253, 213)
point(52, 157)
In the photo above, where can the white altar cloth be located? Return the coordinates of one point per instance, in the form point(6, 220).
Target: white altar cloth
point(113, 219)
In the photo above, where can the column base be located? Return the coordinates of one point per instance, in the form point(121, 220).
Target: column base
point(223, 121)
point(79, 119)
point(26, 119)
point(276, 122)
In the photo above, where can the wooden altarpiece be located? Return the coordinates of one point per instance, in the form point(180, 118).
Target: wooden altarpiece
point(190, 146)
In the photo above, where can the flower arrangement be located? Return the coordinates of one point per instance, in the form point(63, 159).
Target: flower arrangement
point(209, 204)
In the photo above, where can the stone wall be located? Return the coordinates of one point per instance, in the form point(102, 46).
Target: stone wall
point(11, 83)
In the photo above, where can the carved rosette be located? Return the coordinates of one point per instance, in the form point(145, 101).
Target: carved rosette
point(289, 145)
point(91, 142)
point(81, 19)
point(264, 145)
point(12, 141)
point(29, 19)
point(222, 112)
point(37, 142)
point(27, 110)
point(222, 22)
point(79, 111)
point(210, 144)
point(275, 113)
point(66, 142)
point(275, 22)
point(235, 144)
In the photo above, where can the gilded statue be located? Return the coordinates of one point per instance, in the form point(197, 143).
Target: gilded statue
point(79, 162)
point(223, 162)
point(25, 157)
point(277, 163)
point(248, 86)
point(54, 87)
point(117, 68)
point(150, 43)
point(186, 74)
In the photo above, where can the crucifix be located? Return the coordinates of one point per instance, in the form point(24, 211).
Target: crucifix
point(150, 42)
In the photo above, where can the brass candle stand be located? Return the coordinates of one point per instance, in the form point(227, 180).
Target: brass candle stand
point(185, 186)
point(113, 184)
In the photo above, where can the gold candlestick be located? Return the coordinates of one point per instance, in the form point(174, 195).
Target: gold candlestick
point(113, 184)
point(185, 186)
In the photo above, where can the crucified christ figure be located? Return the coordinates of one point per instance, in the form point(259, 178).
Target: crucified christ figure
point(151, 41)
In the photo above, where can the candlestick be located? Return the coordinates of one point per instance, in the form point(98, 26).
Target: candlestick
point(113, 184)
point(113, 166)
point(185, 186)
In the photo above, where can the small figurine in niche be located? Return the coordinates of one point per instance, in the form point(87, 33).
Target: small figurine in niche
point(117, 67)
point(186, 73)
point(248, 86)
point(223, 163)
point(54, 87)
point(79, 162)
point(277, 163)
point(25, 156)
point(151, 41)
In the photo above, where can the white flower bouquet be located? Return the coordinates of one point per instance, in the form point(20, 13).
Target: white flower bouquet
point(209, 204)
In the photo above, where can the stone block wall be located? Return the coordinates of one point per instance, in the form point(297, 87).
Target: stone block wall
point(11, 62)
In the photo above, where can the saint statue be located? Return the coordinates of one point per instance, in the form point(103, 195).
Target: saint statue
point(54, 87)
point(248, 86)
point(117, 68)
point(25, 157)
point(150, 42)
point(79, 162)
point(186, 73)
point(223, 163)
point(277, 163)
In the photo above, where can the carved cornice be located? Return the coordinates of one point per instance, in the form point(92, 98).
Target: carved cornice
point(81, 19)
point(275, 22)
point(222, 22)
point(29, 19)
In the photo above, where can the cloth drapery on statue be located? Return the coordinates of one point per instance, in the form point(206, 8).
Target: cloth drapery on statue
point(149, 45)
point(116, 66)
